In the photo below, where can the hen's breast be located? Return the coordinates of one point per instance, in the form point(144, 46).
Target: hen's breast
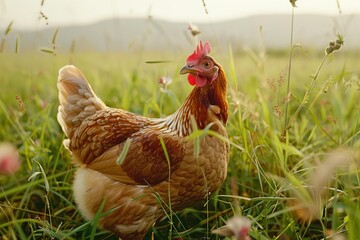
point(198, 176)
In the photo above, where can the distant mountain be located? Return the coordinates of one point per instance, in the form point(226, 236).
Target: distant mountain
point(313, 31)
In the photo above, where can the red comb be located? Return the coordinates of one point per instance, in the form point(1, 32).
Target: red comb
point(199, 52)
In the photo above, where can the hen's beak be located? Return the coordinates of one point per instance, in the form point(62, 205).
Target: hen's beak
point(188, 69)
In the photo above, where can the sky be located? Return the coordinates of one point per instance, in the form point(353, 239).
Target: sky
point(25, 13)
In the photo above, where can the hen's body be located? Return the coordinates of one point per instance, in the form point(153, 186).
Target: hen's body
point(136, 192)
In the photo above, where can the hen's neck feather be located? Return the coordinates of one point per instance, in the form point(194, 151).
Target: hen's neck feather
point(197, 104)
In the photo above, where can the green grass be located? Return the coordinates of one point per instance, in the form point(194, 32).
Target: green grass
point(268, 170)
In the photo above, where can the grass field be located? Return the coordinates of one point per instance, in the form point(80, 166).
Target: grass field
point(278, 178)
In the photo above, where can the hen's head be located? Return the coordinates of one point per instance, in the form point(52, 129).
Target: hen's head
point(202, 69)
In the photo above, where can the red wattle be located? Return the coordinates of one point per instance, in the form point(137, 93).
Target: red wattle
point(191, 79)
point(198, 80)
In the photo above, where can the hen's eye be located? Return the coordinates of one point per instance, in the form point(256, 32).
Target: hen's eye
point(207, 64)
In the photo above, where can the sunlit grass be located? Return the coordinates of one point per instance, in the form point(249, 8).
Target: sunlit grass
point(267, 170)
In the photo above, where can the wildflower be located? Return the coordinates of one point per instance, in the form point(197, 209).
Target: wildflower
point(194, 30)
point(237, 227)
point(9, 159)
point(164, 81)
point(293, 3)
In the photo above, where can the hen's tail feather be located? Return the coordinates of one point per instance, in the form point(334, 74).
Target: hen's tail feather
point(77, 100)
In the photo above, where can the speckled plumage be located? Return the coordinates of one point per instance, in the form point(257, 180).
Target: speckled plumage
point(133, 191)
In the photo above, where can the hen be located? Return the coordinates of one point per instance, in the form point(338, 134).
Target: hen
point(160, 161)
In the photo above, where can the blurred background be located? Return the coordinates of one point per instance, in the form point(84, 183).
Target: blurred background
point(132, 51)
point(160, 25)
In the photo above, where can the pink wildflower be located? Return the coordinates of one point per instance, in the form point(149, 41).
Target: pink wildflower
point(237, 227)
point(9, 159)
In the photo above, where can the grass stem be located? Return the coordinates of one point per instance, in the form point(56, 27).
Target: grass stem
point(289, 74)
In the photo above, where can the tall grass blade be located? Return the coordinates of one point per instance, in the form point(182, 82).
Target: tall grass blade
point(17, 43)
point(8, 28)
point(163, 146)
point(124, 152)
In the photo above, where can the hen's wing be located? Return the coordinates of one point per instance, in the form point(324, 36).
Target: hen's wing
point(97, 134)
point(145, 161)
point(100, 139)
point(103, 130)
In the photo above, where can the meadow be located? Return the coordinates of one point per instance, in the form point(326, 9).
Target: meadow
point(294, 154)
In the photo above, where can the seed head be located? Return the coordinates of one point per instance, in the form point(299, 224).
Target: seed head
point(335, 45)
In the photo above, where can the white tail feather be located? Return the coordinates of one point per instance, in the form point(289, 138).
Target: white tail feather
point(77, 100)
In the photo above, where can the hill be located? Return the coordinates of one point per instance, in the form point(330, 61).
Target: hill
point(156, 35)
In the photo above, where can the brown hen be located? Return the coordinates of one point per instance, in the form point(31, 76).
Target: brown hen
point(135, 192)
